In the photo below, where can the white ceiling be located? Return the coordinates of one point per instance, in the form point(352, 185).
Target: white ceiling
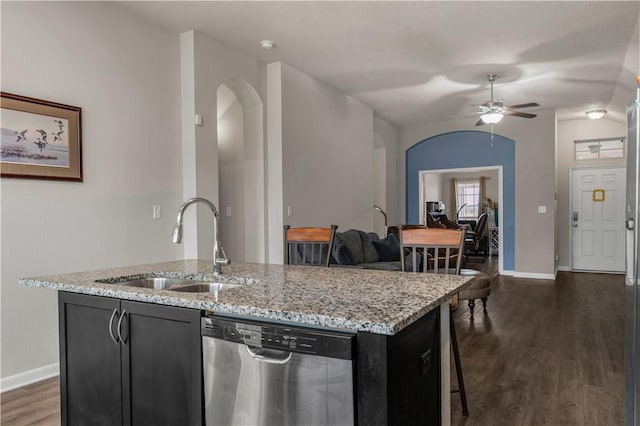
point(428, 61)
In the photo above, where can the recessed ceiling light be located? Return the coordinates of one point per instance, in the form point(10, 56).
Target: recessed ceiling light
point(267, 44)
point(596, 114)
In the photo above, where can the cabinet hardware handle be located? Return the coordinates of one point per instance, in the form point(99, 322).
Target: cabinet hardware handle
point(113, 315)
point(124, 312)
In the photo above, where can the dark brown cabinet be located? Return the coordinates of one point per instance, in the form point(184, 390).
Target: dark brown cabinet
point(399, 375)
point(129, 363)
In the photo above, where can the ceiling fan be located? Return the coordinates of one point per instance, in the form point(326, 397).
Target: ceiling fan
point(492, 111)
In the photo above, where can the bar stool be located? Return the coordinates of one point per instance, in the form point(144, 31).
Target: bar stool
point(308, 246)
point(441, 252)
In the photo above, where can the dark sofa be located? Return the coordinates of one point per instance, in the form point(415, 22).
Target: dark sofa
point(359, 249)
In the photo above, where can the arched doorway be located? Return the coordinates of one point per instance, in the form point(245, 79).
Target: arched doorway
point(241, 176)
point(466, 149)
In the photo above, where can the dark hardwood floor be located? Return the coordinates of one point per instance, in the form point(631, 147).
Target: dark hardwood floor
point(546, 353)
point(36, 404)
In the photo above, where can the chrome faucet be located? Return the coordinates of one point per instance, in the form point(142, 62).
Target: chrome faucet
point(219, 256)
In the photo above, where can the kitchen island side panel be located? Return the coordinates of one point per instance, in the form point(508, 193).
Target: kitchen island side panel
point(398, 379)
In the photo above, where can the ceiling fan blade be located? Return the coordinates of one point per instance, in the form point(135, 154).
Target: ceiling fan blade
point(529, 105)
point(456, 116)
point(520, 114)
point(480, 122)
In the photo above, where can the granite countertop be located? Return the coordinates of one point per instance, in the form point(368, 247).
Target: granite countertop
point(381, 302)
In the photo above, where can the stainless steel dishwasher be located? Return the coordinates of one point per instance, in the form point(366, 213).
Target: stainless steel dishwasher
point(264, 374)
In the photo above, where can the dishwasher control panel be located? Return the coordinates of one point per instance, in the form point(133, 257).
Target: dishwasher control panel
point(291, 339)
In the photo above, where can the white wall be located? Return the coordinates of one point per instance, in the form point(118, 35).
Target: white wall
point(275, 179)
point(535, 182)
point(626, 86)
point(568, 132)
point(123, 73)
point(327, 155)
point(432, 187)
point(431, 191)
point(206, 64)
point(231, 173)
point(379, 183)
point(388, 134)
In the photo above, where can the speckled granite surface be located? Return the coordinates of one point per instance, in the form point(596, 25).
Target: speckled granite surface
point(380, 302)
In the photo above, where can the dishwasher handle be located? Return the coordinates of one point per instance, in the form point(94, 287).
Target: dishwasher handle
point(270, 356)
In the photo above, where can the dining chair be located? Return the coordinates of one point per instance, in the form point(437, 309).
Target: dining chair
point(309, 246)
point(441, 251)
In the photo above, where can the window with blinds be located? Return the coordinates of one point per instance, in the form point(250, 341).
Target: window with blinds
point(468, 195)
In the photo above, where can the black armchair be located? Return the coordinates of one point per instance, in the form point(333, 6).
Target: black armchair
point(473, 239)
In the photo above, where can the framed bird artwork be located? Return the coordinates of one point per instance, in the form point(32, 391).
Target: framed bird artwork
point(40, 139)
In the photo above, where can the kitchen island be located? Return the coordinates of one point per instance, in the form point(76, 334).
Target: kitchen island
point(388, 312)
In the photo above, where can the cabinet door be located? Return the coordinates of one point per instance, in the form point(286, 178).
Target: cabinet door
point(414, 373)
point(90, 381)
point(161, 365)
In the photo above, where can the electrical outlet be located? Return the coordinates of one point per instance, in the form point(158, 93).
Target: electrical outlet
point(156, 212)
point(542, 209)
point(289, 211)
point(227, 211)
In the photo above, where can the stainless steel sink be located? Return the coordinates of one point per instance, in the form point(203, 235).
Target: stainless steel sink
point(158, 283)
point(176, 284)
point(205, 287)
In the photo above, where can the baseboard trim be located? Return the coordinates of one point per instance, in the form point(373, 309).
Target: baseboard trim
point(534, 275)
point(564, 268)
point(507, 273)
point(31, 376)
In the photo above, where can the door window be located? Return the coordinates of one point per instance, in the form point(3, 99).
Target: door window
point(598, 149)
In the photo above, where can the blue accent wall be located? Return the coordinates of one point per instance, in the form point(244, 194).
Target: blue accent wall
point(466, 149)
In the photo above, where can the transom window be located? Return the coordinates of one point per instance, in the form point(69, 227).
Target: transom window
point(599, 149)
point(468, 195)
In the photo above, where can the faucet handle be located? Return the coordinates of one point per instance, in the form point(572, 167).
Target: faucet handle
point(222, 260)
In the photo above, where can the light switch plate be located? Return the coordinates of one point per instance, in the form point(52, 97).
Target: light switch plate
point(542, 209)
point(227, 211)
point(156, 212)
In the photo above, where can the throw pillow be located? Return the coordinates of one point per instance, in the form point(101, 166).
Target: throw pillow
point(368, 250)
point(388, 248)
point(351, 240)
point(340, 254)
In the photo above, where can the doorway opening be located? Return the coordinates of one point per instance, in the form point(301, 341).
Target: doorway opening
point(467, 149)
point(438, 186)
point(241, 171)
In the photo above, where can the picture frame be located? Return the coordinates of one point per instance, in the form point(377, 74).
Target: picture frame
point(40, 139)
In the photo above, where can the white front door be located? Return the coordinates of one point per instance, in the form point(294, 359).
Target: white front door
point(597, 219)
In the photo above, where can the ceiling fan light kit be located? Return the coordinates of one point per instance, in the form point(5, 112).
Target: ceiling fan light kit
point(596, 114)
point(491, 117)
point(493, 111)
